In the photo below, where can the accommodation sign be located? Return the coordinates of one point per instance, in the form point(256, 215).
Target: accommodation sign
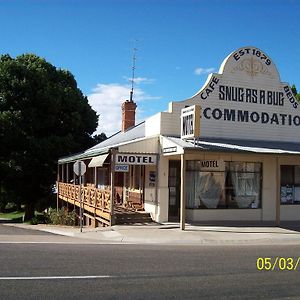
point(211, 165)
point(267, 99)
point(135, 159)
point(190, 122)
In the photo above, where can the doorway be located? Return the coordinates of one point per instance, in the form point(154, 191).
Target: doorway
point(174, 190)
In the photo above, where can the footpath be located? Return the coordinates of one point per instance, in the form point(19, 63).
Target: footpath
point(170, 233)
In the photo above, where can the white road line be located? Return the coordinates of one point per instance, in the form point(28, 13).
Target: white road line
point(56, 277)
point(89, 242)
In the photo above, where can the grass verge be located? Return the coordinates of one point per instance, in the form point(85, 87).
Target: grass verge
point(13, 216)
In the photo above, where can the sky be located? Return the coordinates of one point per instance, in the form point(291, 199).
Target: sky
point(178, 42)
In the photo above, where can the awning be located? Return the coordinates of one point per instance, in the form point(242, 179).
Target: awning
point(233, 145)
point(98, 161)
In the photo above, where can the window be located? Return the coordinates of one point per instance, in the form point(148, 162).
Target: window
point(243, 184)
point(136, 177)
point(290, 184)
point(238, 186)
point(102, 178)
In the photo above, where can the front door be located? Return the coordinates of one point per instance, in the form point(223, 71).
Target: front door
point(174, 190)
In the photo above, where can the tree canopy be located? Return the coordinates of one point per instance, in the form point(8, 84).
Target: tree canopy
point(43, 116)
point(295, 92)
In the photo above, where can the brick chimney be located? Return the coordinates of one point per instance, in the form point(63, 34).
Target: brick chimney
point(128, 115)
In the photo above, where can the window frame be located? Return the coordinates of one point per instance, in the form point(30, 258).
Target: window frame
point(288, 189)
point(228, 190)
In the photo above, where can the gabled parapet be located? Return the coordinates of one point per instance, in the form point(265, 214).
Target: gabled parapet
point(244, 97)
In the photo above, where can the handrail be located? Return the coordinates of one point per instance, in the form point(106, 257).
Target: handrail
point(95, 201)
point(98, 198)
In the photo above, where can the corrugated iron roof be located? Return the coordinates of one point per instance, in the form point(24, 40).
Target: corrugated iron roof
point(202, 144)
point(234, 145)
point(132, 134)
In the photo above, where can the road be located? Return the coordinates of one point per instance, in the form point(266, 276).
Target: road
point(64, 268)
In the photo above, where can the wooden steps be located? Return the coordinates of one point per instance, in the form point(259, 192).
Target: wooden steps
point(132, 217)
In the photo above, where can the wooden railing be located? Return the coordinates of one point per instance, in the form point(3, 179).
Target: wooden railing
point(96, 202)
point(134, 199)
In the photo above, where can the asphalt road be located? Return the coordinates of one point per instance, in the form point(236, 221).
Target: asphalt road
point(58, 270)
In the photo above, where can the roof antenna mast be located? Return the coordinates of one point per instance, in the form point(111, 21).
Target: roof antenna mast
point(133, 72)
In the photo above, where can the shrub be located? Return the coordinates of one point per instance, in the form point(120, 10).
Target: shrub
point(34, 221)
point(40, 219)
point(62, 217)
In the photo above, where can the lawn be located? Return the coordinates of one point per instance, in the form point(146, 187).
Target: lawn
point(16, 215)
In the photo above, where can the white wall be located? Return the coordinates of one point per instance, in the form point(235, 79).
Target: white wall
point(153, 125)
point(163, 190)
point(158, 207)
point(149, 145)
point(223, 214)
point(150, 193)
point(290, 213)
point(269, 191)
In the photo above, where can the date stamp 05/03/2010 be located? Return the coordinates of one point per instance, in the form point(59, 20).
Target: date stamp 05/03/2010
point(278, 263)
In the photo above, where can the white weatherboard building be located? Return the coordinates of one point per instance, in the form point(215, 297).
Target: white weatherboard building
point(230, 152)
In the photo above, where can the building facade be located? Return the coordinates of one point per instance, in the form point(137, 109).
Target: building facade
point(230, 152)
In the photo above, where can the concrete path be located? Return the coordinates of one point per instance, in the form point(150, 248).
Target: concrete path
point(170, 233)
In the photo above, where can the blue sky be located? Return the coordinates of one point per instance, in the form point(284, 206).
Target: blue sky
point(179, 43)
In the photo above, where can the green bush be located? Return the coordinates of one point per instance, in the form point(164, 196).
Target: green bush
point(34, 221)
point(3, 202)
point(62, 217)
point(40, 219)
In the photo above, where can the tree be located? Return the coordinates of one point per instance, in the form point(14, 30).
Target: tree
point(43, 116)
point(294, 90)
point(99, 137)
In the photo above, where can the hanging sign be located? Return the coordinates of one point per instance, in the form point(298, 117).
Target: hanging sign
point(121, 168)
point(190, 122)
point(170, 149)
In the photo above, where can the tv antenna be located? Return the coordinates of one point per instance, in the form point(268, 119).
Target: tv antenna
point(134, 50)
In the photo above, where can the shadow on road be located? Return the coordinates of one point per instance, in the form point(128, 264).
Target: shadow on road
point(17, 220)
